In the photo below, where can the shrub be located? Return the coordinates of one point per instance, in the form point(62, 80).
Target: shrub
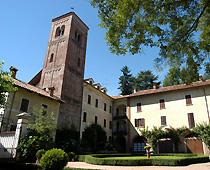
point(31, 143)
point(155, 160)
point(39, 153)
point(54, 159)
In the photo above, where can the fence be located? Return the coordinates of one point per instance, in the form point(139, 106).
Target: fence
point(9, 140)
point(7, 148)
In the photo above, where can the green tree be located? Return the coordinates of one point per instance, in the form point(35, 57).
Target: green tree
point(190, 73)
point(41, 126)
point(172, 26)
point(125, 82)
point(203, 131)
point(41, 122)
point(94, 138)
point(206, 75)
point(6, 85)
point(145, 80)
point(67, 139)
point(172, 77)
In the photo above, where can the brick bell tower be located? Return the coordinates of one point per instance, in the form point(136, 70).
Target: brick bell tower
point(64, 65)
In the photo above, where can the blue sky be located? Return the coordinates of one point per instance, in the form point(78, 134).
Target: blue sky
point(25, 28)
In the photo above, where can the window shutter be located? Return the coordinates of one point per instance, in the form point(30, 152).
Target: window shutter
point(188, 99)
point(143, 122)
point(191, 120)
point(24, 105)
point(138, 107)
point(163, 120)
point(162, 104)
point(136, 122)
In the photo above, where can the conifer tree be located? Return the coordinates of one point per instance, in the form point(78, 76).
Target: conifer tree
point(125, 81)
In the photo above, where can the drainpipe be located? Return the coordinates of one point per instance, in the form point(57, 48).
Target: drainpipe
point(207, 108)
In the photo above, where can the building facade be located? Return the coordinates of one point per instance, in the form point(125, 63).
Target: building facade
point(60, 87)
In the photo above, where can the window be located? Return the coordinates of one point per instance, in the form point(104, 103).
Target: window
point(191, 120)
point(110, 109)
point(104, 122)
point(163, 120)
point(44, 107)
point(62, 30)
point(84, 117)
point(51, 57)
point(77, 36)
point(58, 31)
point(96, 105)
point(110, 124)
point(96, 119)
point(89, 99)
point(78, 62)
point(24, 105)
point(138, 107)
point(104, 106)
point(188, 99)
point(162, 103)
point(140, 122)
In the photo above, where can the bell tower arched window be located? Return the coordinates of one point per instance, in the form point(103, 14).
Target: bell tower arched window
point(62, 30)
point(58, 31)
point(77, 36)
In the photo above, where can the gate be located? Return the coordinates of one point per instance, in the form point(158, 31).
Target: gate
point(7, 148)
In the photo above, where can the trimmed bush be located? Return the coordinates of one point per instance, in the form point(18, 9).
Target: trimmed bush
point(170, 159)
point(39, 153)
point(54, 159)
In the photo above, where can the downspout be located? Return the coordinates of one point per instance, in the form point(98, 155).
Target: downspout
point(207, 108)
point(10, 111)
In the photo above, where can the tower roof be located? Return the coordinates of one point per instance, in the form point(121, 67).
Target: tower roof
point(68, 14)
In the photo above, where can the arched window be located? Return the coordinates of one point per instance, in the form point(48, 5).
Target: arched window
point(78, 62)
point(51, 57)
point(62, 30)
point(58, 31)
point(77, 36)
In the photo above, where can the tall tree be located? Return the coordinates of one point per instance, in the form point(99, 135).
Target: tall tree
point(125, 81)
point(173, 26)
point(206, 75)
point(172, 77)
point(6, 85)
point(190, 73)
point(145, 80)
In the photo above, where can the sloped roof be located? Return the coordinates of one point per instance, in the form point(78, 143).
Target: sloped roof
point(164, 89)
point(35, 89)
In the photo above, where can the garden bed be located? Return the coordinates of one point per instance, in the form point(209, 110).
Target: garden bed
point(142, 160)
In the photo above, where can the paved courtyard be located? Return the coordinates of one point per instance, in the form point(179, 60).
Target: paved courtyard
point(201, 166)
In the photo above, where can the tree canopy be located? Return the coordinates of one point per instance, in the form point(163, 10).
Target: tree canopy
point(145, 80)
point(178, 28)
point(6, 85)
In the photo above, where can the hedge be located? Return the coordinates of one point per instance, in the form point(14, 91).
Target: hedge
point(133, 160)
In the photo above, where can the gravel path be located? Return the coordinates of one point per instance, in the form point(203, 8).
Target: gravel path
point(201, 166)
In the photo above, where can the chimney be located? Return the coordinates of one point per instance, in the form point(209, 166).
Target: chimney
point(155, 86)
point(13, 71)
point(200, 77)
point(51, 89)
point(134, 90)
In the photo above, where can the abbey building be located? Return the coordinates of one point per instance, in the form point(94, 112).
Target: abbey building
point(60, 87)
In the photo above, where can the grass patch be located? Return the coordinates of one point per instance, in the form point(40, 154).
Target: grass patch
point(141, 160)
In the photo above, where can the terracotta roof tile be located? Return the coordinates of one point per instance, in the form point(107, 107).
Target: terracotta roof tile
point(35, 89)
point(164, 89)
